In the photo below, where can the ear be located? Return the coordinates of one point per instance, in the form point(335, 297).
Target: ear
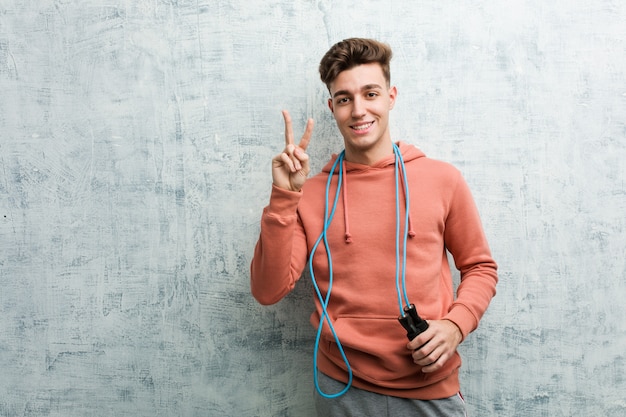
point(393, 93)
point(330, 105)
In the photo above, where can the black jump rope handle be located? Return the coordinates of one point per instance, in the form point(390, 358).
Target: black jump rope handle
point(412, 322)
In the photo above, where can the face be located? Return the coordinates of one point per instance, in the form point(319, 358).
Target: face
point(360, 102)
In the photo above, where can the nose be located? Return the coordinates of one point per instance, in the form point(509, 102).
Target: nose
point(358, 108)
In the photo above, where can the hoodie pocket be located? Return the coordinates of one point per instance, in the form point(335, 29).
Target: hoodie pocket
point(375, 348)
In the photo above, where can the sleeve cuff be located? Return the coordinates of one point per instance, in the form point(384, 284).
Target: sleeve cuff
point(283, 202)
point(463, 318)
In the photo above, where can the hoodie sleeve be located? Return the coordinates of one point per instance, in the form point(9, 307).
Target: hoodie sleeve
point(280, 254)
point(466, 241)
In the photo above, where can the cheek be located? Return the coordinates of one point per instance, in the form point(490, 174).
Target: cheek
point(383, 109)
point(340, 114)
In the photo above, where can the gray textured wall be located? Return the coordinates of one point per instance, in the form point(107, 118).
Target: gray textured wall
point(135, 140)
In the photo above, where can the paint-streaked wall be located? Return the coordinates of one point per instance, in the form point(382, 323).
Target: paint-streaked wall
point(135, 140)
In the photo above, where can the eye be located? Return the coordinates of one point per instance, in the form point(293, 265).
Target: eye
point(372, 94)
point(343, 100)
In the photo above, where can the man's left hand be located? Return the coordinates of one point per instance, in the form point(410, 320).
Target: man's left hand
point(433, 348)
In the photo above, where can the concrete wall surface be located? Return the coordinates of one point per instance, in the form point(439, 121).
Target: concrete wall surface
point(135, 147)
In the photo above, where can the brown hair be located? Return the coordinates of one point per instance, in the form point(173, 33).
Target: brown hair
point(352, 52)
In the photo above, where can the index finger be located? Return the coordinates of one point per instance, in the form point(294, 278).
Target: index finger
point(288, 128)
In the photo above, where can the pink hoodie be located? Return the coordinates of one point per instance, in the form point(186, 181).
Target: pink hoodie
point(362, 238)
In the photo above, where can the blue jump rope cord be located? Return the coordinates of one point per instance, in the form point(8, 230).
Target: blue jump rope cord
point(324, 301)
point(400, 161)
point(328, 217)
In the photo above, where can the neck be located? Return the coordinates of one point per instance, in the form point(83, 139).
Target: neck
point(371, 155)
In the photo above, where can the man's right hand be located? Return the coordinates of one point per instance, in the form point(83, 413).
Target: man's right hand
point(290, 168)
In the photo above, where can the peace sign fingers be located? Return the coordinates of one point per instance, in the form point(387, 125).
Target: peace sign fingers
point(291, 167)
point(306, 137)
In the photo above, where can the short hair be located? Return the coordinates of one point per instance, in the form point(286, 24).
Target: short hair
point(352, 52)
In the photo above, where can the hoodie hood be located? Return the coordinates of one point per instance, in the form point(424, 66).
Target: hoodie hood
point(409, 153)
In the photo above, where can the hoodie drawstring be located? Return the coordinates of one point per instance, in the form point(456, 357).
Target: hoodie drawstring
point(404, 189)
point(346, 218)
point(344, 195)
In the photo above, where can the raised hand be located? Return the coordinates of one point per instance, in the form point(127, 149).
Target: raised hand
point(291, 167)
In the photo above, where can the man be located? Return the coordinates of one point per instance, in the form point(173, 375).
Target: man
point(376, 224)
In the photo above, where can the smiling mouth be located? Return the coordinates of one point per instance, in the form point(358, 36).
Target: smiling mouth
point(361, 127)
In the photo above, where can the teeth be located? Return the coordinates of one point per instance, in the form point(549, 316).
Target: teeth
point(362, 127)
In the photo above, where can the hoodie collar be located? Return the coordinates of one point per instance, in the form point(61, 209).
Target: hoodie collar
point(409, 153)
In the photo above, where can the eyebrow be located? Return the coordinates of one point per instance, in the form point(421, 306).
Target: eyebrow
point(364, 88)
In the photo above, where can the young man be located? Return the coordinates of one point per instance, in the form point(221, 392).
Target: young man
point(375, 226)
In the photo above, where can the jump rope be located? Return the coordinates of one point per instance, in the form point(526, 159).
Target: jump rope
point(409, 319)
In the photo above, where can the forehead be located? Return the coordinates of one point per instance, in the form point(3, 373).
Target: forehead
point(356, 78)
